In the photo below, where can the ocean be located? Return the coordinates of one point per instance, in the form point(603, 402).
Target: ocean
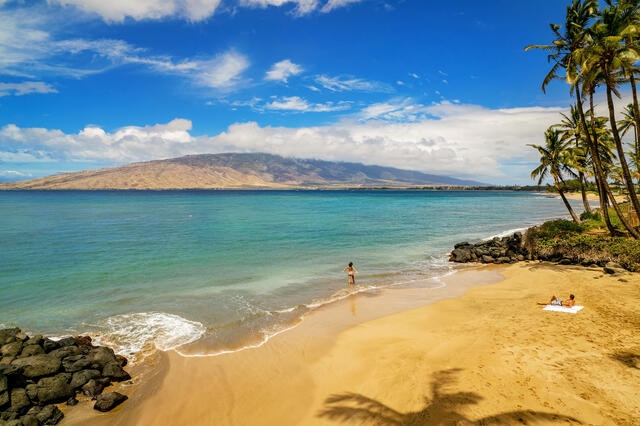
point(157, 270)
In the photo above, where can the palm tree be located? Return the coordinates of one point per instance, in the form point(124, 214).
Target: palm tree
point(604, 60)
point(573, 132)
point(554, 157)
point(569, 52)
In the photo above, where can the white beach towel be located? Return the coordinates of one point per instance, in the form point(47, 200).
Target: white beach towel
point(556, 308)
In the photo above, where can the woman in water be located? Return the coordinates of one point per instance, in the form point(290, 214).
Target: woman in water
point(351, 273)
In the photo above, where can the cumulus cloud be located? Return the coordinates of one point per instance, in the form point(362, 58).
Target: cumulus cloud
point(464, 141)
point(119, 10)
point(281, 71)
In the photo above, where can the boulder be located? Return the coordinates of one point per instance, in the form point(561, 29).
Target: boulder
point(613, 268)
point(113, 371)
point(4, 391)
point(38, 365)
point(109, 401)
point(11, 349)
point(65, 351)
point(80, 378)
point(74, 363)
point(94, 387)
point(20, 402)
point(54, 389)
point(47, 415)
point(8, 335)
point(49, 345)
point(30, 350)
point(101, 356)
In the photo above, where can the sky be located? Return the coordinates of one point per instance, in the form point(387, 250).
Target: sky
point(439, 87)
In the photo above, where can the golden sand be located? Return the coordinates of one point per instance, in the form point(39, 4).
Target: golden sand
point(490, 356)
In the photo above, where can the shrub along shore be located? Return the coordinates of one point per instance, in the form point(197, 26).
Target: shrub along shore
point(559, 241)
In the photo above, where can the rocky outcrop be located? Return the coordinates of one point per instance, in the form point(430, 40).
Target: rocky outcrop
point(37, 372)
point(513, 249)
point(497, 250)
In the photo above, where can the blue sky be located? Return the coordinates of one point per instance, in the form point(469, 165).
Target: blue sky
point(440, 87)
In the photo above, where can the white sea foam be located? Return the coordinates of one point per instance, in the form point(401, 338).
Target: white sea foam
point(506, 233)
point(131, 334)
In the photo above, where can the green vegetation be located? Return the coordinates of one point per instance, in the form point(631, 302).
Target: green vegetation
point(584, 243)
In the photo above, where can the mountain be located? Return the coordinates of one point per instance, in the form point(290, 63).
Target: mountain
point(238, 171)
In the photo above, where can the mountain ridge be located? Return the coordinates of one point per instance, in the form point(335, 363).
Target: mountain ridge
point(238, 171)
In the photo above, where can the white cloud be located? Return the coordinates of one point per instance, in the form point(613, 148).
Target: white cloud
point(25, 88)
point(302, 7)
point(222, 72)
point(193, 10)
point(335, 4)
point(295, 103)
point(340, 84)
point(464, 141)
point(281, 71)
point(119, 10)
point(29, 51)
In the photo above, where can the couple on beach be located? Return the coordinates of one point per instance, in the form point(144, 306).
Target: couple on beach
point(559, 302)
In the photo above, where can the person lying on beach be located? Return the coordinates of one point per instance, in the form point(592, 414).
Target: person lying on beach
point(557, 301)
point(351, 273)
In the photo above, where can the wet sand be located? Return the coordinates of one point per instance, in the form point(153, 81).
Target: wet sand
point(463, 354)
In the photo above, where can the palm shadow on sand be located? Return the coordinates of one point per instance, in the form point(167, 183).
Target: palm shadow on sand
point(441, 409)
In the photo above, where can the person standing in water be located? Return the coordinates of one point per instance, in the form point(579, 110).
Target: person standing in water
point(351, 273)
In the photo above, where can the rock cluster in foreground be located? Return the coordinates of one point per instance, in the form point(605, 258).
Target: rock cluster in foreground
point(36, 373)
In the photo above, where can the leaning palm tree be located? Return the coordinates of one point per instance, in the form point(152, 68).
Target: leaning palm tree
point(554, 159)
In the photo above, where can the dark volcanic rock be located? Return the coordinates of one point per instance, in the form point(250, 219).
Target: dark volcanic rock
point(498, 250)
point(36, 372)
point(109, 401)
point(55, 389)
point(38, 365)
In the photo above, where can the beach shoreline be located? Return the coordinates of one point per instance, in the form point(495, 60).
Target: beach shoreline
point(479, 349)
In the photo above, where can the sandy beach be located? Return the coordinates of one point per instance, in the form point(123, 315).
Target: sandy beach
point(489, 355)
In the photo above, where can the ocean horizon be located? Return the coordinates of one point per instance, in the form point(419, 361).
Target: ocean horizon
point(157, 270)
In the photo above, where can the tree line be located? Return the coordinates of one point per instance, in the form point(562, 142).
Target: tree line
point(596, 50)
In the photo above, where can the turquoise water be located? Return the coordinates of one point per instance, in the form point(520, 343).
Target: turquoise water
point(162, 269)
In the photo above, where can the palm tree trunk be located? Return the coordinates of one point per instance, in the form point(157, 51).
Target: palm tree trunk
point(607, 193)
point(573, 214)
point(636, 118)
point(583, 190)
